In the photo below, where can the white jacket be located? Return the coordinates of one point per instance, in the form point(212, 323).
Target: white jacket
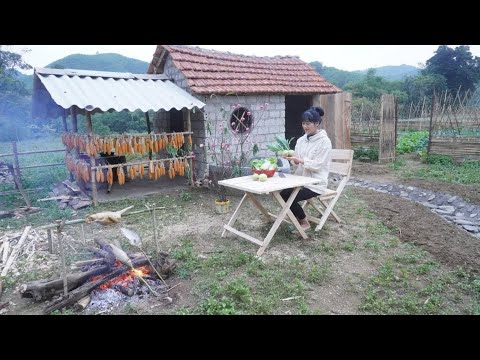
point(315, 152)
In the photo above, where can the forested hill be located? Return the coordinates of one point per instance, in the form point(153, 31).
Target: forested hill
point(119, 63)
point(341, 78)
point(101, 62)
point(394, 72)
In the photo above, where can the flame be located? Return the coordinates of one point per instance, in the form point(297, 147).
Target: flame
point(123, 279)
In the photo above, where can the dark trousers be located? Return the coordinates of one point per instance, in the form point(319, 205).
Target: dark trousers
point(303, 194)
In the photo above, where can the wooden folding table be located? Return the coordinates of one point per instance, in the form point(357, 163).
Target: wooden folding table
point(272, 186)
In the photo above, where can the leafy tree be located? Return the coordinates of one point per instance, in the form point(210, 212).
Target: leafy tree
point(335, 76)
point(14, 100)
point(116, 122)
point(373, 87)
point(418, 87)
point(458, 66)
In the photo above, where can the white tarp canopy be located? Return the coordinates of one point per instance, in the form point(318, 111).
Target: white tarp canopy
point(97, 91)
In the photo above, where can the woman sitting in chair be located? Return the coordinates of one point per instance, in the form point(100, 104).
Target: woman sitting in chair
point(312, 155)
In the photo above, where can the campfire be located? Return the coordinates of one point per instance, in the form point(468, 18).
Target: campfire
point(120, 289)
point(112, 274)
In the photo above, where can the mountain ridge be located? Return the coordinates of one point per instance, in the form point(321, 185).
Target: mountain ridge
point(119, 63)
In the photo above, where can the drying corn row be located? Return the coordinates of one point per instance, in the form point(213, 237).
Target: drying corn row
point(156, 169)
point(79, 167)
point(92, 145)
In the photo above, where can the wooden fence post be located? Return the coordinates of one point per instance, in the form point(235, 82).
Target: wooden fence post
point(190, 161)
point(60, 225)
point(16, 174)
point(88, 119)
point(386, 152)
point(430, 127)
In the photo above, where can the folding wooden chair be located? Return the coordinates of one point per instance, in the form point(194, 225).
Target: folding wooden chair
point(341, 164)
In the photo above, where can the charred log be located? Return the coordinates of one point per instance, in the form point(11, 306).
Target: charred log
point(45, 289)
point(108, 256)
point(82, 291)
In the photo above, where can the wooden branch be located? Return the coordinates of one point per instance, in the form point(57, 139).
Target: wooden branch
point(86, 262)
point(75, 295)
point(16, 176)
point(60, 197)
point(44, 289)
point(108, 257)
point(15, 251)
point(82, 303)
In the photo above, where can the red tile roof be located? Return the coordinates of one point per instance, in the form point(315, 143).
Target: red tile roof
point(210, 71)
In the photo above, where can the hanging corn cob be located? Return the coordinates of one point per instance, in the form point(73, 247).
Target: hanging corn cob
point(162, 168)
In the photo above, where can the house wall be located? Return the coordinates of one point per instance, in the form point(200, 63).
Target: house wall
point(269, 121)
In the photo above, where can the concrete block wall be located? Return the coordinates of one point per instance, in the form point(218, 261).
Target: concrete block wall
point(268, 116)
point(268, 119)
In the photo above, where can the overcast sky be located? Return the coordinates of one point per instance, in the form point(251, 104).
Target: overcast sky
point(344, 57)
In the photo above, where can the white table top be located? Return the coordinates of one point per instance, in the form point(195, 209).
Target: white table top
point(274, 183)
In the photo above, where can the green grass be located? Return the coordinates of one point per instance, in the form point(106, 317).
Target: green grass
point(467, 173)
point(33, 178)
point(440, 168)
point(392, 278)
point(234, 282)
point(411, 283)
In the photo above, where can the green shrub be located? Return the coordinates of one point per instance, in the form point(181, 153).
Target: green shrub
point(370, 154)
point(435, 159)
point(414, 141)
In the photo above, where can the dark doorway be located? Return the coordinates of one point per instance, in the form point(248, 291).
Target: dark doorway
point(295, 105)
point(176, 121)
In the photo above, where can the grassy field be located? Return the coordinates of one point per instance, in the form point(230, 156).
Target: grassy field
point(358, 267)
point(35, 178)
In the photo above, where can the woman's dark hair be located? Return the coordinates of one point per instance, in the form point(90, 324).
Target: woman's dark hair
point(314, 114)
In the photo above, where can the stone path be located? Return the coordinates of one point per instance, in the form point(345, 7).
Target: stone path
point(452, 208)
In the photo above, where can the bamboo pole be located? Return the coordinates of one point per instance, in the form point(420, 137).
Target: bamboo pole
point(140, 162)
point(62, 255)
point(40, 166)
point(64, 120)
point(82, 234)
point(73, 114)
point(155, 235)
point(88, 119)
point(15, 191)
point(149, 130)
point(32, 152)
point(82, 221)
point(65, 129)
point(190, 161)
point(430, 128)
point(421, 113)
point(50, 242)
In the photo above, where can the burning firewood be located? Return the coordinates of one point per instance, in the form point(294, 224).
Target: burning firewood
point(125, 260)
point(135, 240)
point(107, 217)
point(72, 297)
point(102, 272)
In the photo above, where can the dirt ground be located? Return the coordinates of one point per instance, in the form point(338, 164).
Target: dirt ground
point(194, 220)
point(417, 224)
